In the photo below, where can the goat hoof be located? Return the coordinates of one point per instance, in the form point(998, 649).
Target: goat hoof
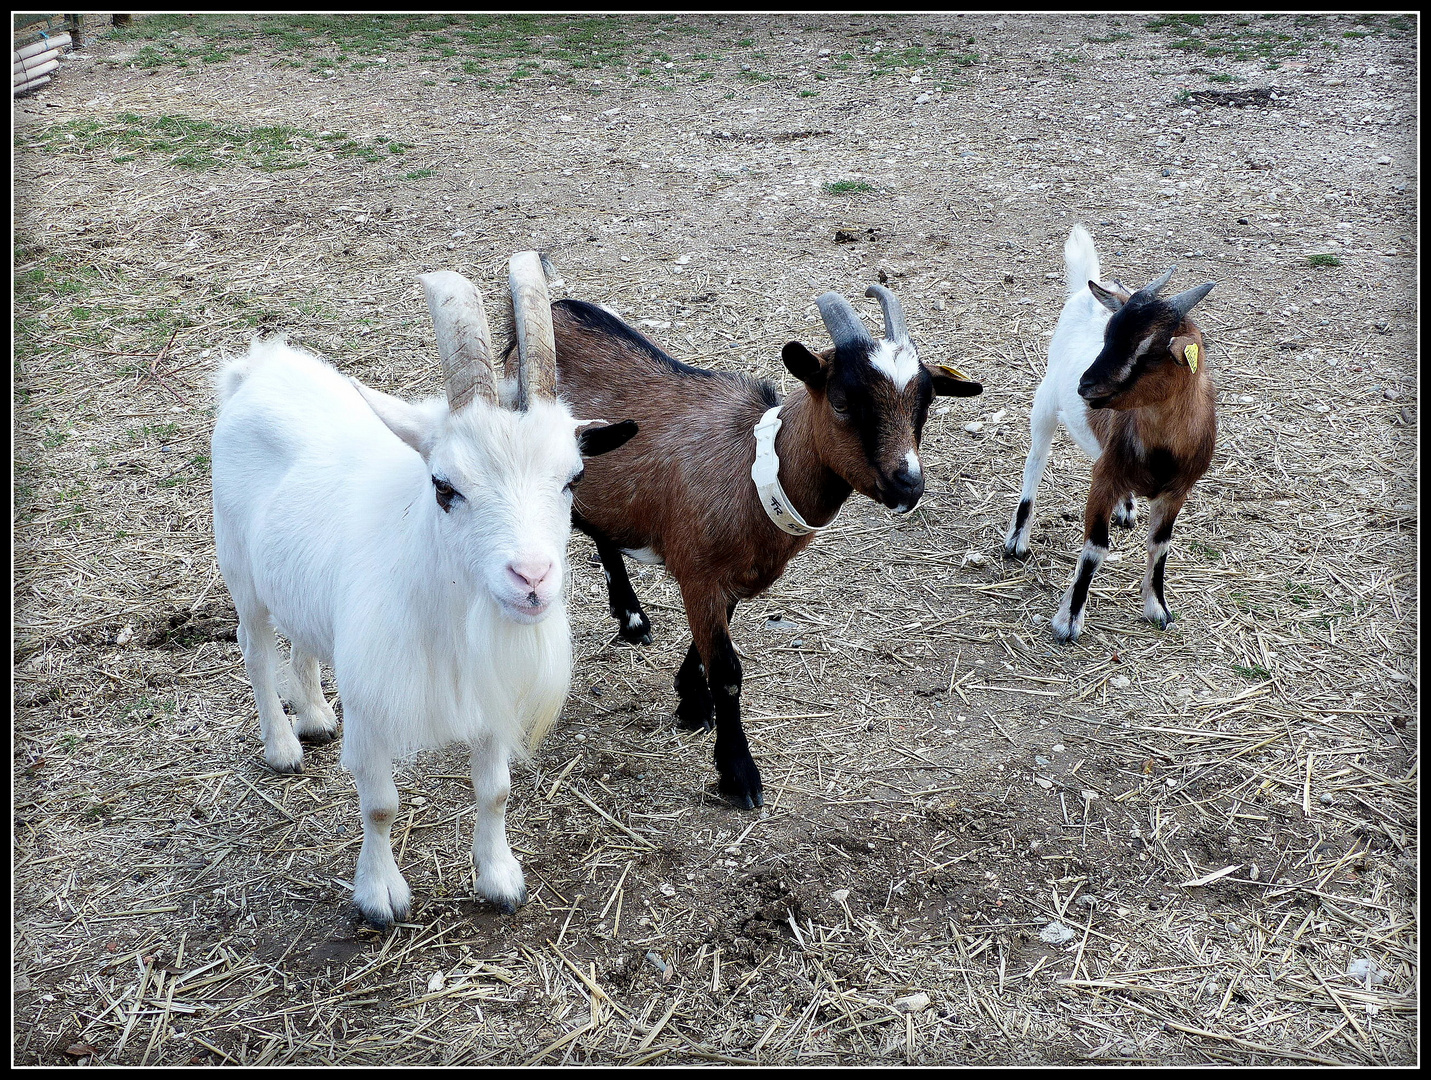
point(509, 905)
point(746, 791)
point(317, 737)
point(695, 716)
point(381, 920)
point(1011, 550)
point(634, 628)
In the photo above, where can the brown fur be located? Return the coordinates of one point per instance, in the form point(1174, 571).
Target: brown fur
point(1171, 409)
point(659, 491)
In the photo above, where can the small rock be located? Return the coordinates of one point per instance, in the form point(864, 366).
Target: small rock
point(1041, 760)
point(668, 890)
point(839, 896)
point(1326, 799)
point(1120, 682)
point(654, 959)
point(1055, 933)
point(1383, 160)
point(1391, 395)
point(125, 636)
point(923, 99)
point(1041, 782)
point(436, 982)
point(913, 1003)
point(1366, 972)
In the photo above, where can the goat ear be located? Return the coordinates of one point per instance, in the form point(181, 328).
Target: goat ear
point(951, 382)
point(1107, 297)
point(1179, 348)
point(810, 369)
point(593, 440)
point(416, 425)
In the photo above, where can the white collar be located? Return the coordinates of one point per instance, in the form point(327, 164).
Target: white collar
point(766, 474)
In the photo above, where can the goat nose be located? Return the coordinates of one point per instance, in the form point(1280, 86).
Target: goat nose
point(531, 574)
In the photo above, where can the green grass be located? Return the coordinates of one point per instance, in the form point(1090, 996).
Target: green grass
point(201, 145)
point(1323, 259)
point(1256, 671)
point(1243, 40)
point(847, 187)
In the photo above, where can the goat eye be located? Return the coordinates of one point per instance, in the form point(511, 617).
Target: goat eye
point(446, 494)
point(840, 408)
point(570, 484)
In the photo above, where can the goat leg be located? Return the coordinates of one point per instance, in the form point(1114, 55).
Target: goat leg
point(696, 711)
point(1160, 537)
point(710, 626)
point(1103, 496)
point(632, 624)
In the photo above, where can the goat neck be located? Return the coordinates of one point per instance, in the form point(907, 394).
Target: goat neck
point(816, 490)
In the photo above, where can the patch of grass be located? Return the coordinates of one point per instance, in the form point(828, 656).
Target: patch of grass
point(847, 187)
point(194, 144)
point(1207, 551)
point(1177, 21)
point(1256, 671)
point(809, 93)
point(1323, 259)
point(420, 174)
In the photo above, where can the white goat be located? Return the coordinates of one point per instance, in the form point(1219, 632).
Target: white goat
point(1127, 376)
point(418, 548)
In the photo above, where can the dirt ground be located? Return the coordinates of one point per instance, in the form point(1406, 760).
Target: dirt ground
point(1191, 846)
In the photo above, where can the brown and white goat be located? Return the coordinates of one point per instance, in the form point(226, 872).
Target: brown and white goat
point(681, 492)
point(1127, 375)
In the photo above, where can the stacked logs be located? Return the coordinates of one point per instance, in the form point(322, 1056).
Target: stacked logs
point(31, 66)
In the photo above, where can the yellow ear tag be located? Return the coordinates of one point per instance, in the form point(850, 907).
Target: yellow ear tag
point(953, 372)
point(1190, 355)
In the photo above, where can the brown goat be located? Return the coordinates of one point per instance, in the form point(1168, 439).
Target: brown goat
point(681, 491)
point(1132, 389)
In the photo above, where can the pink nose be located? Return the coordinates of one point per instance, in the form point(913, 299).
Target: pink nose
point(530, 575)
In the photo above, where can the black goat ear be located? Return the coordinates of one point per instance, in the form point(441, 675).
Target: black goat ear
point(951, 382)
point(806, 366)
point(595, 441)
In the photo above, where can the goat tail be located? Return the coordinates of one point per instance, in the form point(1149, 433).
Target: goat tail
point(230, 377)
point(1081, 259)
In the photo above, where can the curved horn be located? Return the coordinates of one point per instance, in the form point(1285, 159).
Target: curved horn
point(840, 320)
point(464, 340)
point(894, 324)
point(1150, 290)
point(1185, 301)
point(532, 317)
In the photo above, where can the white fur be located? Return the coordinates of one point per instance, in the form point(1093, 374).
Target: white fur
point(897, 360)
point(1077, 341)
point(328, 531)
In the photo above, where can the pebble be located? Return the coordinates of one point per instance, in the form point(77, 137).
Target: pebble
point(1391, 395)
point(839, 896)
point(923, 99)
point(1383, 160)
point(1055, 933)
point(913, 1003)
point(1326, 799)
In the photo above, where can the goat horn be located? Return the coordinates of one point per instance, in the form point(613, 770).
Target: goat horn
point(840, 320)
point(1186, 301)
point(1151, 289)
point(894, 324)
point(532, 317)
point(464, 340)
